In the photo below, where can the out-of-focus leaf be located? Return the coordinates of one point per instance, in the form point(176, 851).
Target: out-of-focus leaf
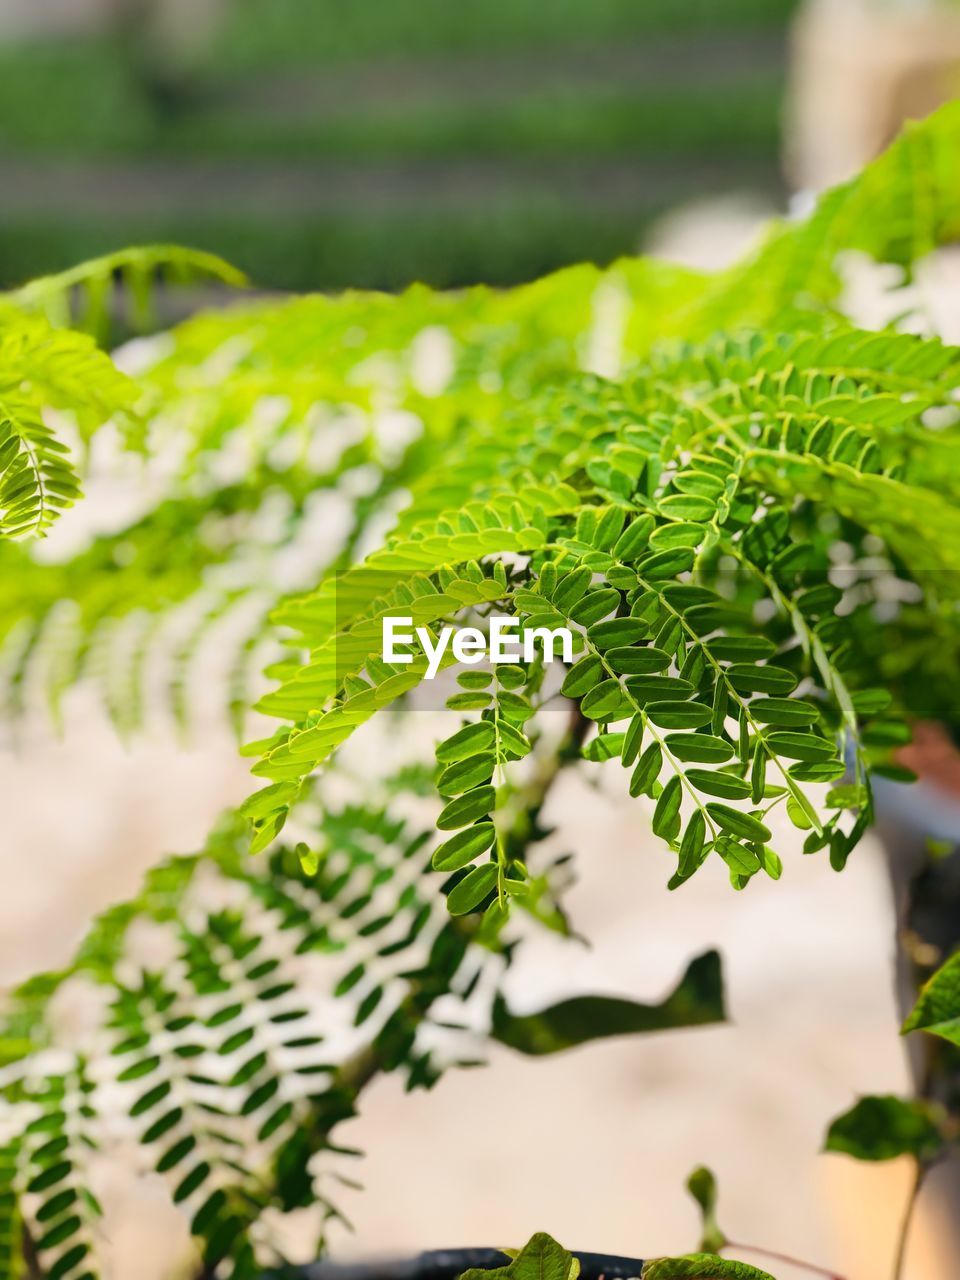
point(938, 1008)
point(541, 1259)
point(696, 1001)
point(882, 1128)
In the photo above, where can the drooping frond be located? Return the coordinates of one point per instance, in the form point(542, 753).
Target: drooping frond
point(674, 511)
point(241, 1007)
point(80, 297)
point(44, 370)
point(46, 367)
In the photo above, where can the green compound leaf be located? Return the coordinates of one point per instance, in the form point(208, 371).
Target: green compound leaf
point(938, 1008)
point(697, 1000)
point(700, 747)
point(605, 701)
point(883, 1128)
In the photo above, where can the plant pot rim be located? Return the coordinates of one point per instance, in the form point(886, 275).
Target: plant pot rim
point(448, 1264)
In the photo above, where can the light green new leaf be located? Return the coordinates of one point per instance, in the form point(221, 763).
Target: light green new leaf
point(540, 1259)
point(702, 1266)
point(702, 1185)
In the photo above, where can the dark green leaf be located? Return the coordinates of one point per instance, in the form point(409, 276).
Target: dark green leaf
point(571, 589)
point(644, 689)
point(582, 676)
point(758, 773)
point(464, 847)
point(467, 742)
point(467, 808)
point(468, 893)
point(696, 1001)
point(638, 660)
point(595, 605)
point(464, 774)
point(938, 1008)
point(801, 746)
point(647, 771)
point(741, 648)
point(783, 711)
point(753, 678)
point(605, 701)
point(693, 850)
point(632, 741)
point(821, 771)
point(633, 541)
point(718, 715)
point(882, 1128)
point(678, 715)
point(615, 632)
point(677, 535)
point(666, 564)
point(688, 507)
point(666, 814)
point(726, 785)
point(704, 748)
point(603, 747)
point(743, 825)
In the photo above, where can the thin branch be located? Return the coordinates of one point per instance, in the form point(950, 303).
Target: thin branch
point(903, 1236)
point(357, 1072)
point(775, 1256)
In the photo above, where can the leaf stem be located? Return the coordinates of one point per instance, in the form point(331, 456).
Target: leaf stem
point(775, 1256)
point(903, 1235)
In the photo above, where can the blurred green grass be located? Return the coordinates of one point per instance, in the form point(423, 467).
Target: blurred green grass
point(484, 142)
point(279, 33)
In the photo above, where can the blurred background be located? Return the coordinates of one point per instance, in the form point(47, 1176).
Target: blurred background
point(324, 143)
point(321, 144)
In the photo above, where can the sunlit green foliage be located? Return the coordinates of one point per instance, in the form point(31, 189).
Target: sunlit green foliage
point(738, 502)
